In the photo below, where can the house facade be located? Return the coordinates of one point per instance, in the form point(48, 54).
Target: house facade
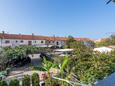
point(40, 41)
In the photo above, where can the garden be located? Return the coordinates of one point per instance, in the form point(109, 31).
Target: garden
point(84, 68)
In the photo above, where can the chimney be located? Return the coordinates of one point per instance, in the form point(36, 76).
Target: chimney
point(32, 34)
point(3, 32)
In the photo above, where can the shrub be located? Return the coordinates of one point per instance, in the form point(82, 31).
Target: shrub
point(35, 79)
point(14, 82)
point(26, 80)
point(3, 83)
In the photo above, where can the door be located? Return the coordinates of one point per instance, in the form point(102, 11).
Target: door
point(29, 42)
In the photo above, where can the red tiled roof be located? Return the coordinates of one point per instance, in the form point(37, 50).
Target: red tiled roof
point(34, 37)
point(83, 39)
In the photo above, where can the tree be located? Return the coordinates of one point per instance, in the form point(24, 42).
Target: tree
point(14, 82)
point(3, 60)
point(3, 83)
point(112, 38)
point(35, 79)
point(104, 42)
point(107, 41)
point(26, 80)
point(88, 66)
point(72, 43)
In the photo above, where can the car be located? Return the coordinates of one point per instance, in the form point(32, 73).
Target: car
point(25, 60)
point(18, 62)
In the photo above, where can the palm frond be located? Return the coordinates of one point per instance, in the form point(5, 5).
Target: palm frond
point(108, 1)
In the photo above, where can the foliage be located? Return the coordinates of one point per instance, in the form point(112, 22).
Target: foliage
point(14, 82)
point(3, 83)
point(112, 38)
point(22, 51)
point(70, 41)
point(26, 80)
point(75, 44)
point(110, 1)
point(88, 66)
point(47, 65)
point(3, 60)
point(107, 41)
point(64, 64)
point(17, 52)
point(35, 79)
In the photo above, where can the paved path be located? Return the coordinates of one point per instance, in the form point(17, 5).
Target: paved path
point(36, 60)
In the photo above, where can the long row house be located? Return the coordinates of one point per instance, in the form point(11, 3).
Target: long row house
point(40, 41)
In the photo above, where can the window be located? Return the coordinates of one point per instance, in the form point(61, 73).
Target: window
point(21, 41)
point(57, 43)
point(7, 41)
point(34, 41)
point(16, 41)
point(42, 41)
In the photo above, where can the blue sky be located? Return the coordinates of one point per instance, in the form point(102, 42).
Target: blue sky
point(79, 18)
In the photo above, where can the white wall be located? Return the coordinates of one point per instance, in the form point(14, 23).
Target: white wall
point(25, 42)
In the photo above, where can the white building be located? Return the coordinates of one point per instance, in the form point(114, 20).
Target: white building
point(40, 41)
point(103, 49)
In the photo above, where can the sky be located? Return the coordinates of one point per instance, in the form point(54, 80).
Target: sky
point(79, 18)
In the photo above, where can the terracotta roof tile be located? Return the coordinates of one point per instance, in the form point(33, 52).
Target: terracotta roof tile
point(35, 37)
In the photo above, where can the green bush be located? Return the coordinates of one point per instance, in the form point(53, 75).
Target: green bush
point(35, 79)
point(22, 51)
point(26, 80)
point(3, 83)
point(14, 82)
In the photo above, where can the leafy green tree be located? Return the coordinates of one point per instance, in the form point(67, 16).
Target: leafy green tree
point(3, 60)
point(26, 80)
point(107, 41)
point(3, 83)
point(88, 66)
point(14, 82)
point(72, 43)
point(35, 79)
point(112, 38)
point(47, 65)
